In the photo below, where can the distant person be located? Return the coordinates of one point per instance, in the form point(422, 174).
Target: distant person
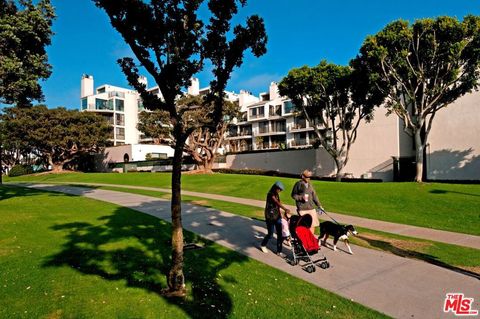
point(305, 198)
point(273, 217)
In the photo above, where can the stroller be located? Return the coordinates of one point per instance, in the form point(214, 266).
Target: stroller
point(304, 244)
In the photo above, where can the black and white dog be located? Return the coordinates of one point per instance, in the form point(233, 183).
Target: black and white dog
point(338, 232)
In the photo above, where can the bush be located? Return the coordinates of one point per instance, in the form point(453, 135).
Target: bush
point(19, 170)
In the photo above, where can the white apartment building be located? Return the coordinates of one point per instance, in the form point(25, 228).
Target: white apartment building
point(268, 122)
point(119, 106)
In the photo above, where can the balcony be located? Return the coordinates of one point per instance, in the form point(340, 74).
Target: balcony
point(299, 143)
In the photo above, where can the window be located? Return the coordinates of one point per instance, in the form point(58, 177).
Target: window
point(119, 105)
point(101, 104)
point(101, 90)
point(140, 106)
point(120, 119)
point(263, 127)
point(257, 112)
point(275, 110)
point(288, 106)
point(120, 133)
point(299, 139)
point(84, 103)
point(278, 126)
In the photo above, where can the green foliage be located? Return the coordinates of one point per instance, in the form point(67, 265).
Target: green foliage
point(56, 135)
point(422, 68)
point(333, 103)
point(25, 31)
point(19, 170)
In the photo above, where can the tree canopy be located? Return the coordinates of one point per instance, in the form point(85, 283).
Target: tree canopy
point(422, 68)
point(56, 135)
point(172, 42)
point(334, 101)
point(25, 31)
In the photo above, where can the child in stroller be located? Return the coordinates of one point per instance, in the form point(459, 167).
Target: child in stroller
point(304, 244)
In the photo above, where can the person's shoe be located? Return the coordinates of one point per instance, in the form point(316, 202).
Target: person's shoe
point(282, 255)
point(264, 249)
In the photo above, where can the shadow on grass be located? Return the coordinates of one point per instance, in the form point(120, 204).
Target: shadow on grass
point(442, 191)
point(10, 191)
point(133, 247)
point(386, 246)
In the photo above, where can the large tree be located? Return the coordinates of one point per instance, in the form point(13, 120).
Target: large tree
point(25, 31)
point(422, 68)
point(334, 100)
point(56, 135)
point(171, 42)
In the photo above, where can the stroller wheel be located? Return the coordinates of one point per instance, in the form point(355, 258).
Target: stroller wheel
point(310, 269)
point(293, 262)
point(324, 265)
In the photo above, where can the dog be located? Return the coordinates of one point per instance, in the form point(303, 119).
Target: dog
point(338, 232)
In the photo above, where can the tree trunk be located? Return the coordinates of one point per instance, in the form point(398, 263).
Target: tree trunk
point(175, 278)
point(57, 168)
point(418, 155)
point(340, 168)
point(208, 165)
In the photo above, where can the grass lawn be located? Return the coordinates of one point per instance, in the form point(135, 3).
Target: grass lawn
point(64, 256)
point(453, 257)
point(450, 207)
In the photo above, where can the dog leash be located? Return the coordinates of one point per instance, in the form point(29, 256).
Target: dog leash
point(324, 212)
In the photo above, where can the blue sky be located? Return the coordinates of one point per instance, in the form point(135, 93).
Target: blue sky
point(301, 32)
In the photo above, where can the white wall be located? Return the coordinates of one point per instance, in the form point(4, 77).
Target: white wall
point(454, 142)
point(292, 162)
point(377, 142)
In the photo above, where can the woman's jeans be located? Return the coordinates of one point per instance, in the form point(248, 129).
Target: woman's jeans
point(271, 227)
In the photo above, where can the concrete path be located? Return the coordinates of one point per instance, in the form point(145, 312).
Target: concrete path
point(396, 286)
point(400, 229)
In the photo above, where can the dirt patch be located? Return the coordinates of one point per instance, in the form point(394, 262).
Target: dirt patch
point(402, 247)
point(55, 315)
point(200, 202)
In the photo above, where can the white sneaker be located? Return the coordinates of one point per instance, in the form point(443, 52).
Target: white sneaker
point(282, 255)
point(264, 249)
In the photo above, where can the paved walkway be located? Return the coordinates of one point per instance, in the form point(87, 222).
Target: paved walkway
point(400, 229)
point(396, 286)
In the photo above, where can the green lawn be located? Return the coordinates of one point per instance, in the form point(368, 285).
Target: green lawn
point(64, 256)
point(450, 207)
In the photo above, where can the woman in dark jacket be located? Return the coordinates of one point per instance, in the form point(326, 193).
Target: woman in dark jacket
point(273, 217)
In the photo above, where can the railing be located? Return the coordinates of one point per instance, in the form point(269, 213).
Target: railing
point(117, 94)
point(302, 142)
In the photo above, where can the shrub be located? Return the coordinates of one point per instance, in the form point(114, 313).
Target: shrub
point(19, 170)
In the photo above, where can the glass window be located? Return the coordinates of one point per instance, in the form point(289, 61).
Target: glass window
point(119, 105)
point(120, 119)
point(101, 104)
point(288, 106)
point(120, 133)
point(263, 127)
point(84, 103)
